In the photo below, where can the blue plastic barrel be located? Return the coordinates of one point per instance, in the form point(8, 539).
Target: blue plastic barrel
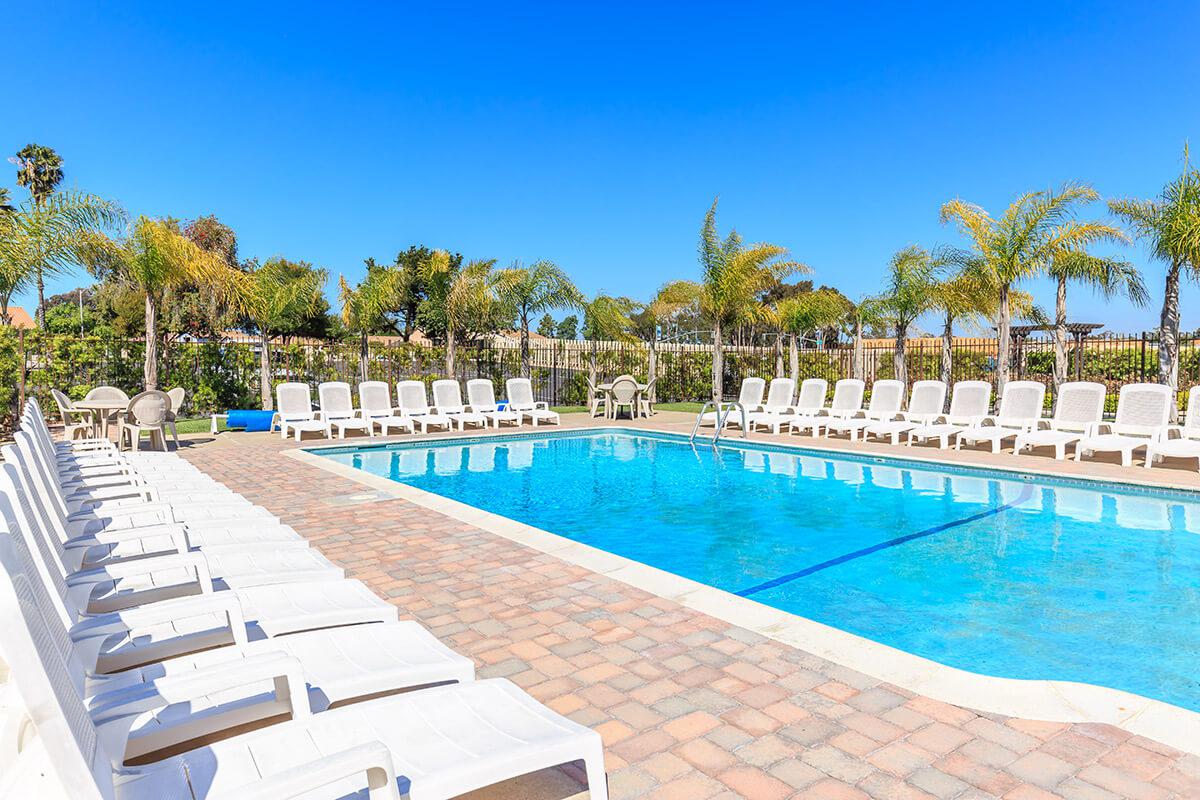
point(250, 419)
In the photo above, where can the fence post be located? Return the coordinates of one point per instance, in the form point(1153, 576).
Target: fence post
point(1142, 360)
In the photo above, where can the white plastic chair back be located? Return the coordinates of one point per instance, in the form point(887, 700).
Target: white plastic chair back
point(928, 398)
point(107, 394)
point(1191, 420)
point(336, 400)
point(847, 395)
point(812, 394)
point(375, 399)
point(149, 409)
point(751, 393)
point(17, 508)
point(780, 395)
point(624, 389)
point(64, 406)
point(1143, 408)
point(177, 394)
point(293, 401)
point(447, 396)
point(520, 394)
point(481, 394)
point(411, 397)
point(886, 397)
point(970, 399)
point(1022, 401)
point(1079, 404)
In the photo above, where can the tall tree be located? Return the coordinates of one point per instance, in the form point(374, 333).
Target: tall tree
point(908, 293)
point(533, 290)
point(150, 259)
point(1170, 227)
point(607, 319)
point(567, 328)
point(275, 297)
point(463, 293)
point(667, 302)
point(1023, 242)
point(546, 326)
point(194, 309)
point(365, 307)
point(867, 313)
point(809, 314)
point(39, 169)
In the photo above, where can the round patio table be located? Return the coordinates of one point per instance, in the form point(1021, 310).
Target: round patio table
point(101, 409)
point(606, 388)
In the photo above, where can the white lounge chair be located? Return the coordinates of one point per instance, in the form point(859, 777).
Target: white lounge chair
point(925, 404)
point(375, 405)
point(413, 403)
point(750, 397)
point(520, 400)
point(294, 411)
point(1182, 441)
point(1020, 412)
point(847, 401)
point(780, 397)
point(481, 399)
point(338, 411)
point(969, 404)
point(447, 399)
point(1143, 411)
point(1078, 407)
point(810, 401)
point(887, 396)
point(433, 744)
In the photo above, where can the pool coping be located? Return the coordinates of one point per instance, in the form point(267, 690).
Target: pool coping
point(1058, 701)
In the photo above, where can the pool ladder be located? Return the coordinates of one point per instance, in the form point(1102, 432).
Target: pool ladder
point(723, 411)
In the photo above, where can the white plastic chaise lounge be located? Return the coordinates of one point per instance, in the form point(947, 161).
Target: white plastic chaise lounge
point(926, 403)
point(375, 405)
point(847, 401)
point(294, 411)
point(481, 399)
point(887, 397)
point(447, 400)
point(338, 411)
point(781, 395)
point(809, 402)
point(750, 397)
point(1078, 407)
point(413, 402)
point(1143, 411)
point(970, 402)
point(520, 400)
point(432, 744)
point(1020, 412)
point(1181, 441)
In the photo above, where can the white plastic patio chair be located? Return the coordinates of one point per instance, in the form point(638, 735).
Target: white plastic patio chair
point(413, 402)
point(437, 744)
point(847, 401)
point(338, 411)
point(294, 411)
point(1078, 407)
point(781, 397)
point(520, 400)
point(177, 396)
point(887, 397)
point(599, 404)
point(1020, 412)
point(1143, 411)
point(375, 405)
point(481, 398)
point(447, 399)
point(969, 404)
point(1182, 441)
point(146, 412)
point(750, 396)
point(925, 404)
point(623, 394)
point(72, 429)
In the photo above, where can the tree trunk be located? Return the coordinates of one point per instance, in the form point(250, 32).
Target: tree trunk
point(364, 355)
point(1003, 335)
point(779, 355)
point(652, 362)
point(41, 306)
point(264, 371)
point(450, 353)
point(1060, 334)
point(899, 353)
point(794, 356)
point(718, 365)
point(859, 368)
point(525, 371)
point(591, 396)
point(947, 350)
point(150, 366)
point(5, 318)
point(1168, 336)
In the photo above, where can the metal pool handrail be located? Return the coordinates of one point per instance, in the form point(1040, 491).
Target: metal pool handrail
point(723, 411)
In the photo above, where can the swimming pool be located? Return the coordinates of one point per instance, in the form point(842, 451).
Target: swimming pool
point(1019, 578)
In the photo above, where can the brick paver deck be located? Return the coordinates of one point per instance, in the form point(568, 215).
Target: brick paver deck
point(688, 706)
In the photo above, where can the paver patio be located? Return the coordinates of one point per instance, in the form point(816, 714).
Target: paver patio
point(688, 706)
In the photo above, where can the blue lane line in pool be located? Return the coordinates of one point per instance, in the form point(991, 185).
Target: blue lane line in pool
point(1026, 493)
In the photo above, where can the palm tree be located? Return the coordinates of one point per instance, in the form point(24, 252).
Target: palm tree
point(39, 169)
point(277, 296)
point(1170, 225)
point(606, 319)
point(463, 293)
point(365, 307)
point(534, 290)
point(734, 275)
point(912, 274)
point(1023, 242)
point(669, 300)
point(867, 312)
point(151, 259)
point(809, 313)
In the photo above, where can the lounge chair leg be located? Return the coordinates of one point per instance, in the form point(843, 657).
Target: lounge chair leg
point(1060, 452)
point(1126, 458)
point(597, 780)
point(995, 445)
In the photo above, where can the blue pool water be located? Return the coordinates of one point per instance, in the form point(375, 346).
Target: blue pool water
point(1015, 578)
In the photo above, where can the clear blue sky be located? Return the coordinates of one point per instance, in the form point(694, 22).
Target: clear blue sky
point(597, 135)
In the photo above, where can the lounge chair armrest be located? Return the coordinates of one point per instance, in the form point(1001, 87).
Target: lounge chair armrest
point(131, 620)
point(1096, 428)
point(97, 494)
point(193, 562)
point(372, 758)
point(117, 512)
point(174, 530)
